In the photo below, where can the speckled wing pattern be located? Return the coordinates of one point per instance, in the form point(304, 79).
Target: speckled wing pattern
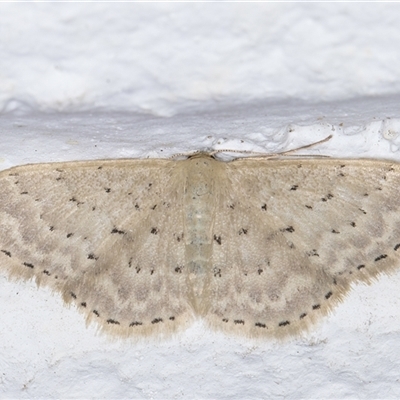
point(256, 247)
point(294, 234)
point(98, 232)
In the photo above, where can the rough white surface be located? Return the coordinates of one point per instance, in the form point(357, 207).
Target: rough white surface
point(139, 80)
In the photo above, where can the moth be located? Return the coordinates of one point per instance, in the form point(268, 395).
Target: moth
point(256, 246)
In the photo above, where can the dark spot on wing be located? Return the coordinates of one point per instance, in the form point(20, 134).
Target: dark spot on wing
point(381, 257)
point(217, 272)
point(29, 265)
point(316, 306)
point(260, 325)
point(91, 256)
point(327, 197)
point(73, 295)
point(95, 312)
point(218, 239)
point(243, 231)
point(113, 322)
point(108, 190)
point(178, 237)
point(361, 266)
point(284, 323)
point(154, 231)
point(329, 294)
point(74, 200)
point(6, 252)
point(135, 323)
point(69, 235)
point(120, 232)
point(238, 322)
point(156, 320)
